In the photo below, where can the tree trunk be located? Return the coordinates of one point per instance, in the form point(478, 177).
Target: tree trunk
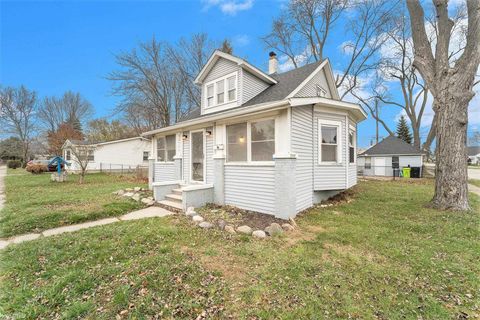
point(451, 181)
point(82, 177)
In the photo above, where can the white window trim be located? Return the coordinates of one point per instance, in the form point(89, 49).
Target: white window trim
point(225, 90)
point(330, 123)
point(354, 131)
point(249, 144)
point(166, 149)
point(204, 157)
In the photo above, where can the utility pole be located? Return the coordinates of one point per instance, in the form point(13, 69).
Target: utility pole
point(376, 119)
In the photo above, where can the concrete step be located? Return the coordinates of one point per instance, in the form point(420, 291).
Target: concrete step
point(171, 205)
point(177, 191)
point(174, 197)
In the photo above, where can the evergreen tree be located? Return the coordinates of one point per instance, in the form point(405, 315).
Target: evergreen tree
point(227, 47)
point(76, 124)
point(403, 131)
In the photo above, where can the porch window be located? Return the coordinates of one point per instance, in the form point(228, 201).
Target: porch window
point(220, 92)
point(251, 141)
point(237, 142)
point(166, 148)
point(351, 146)
point(368, 162)
point(263, 140)
point(210, 95)
point(329, 144)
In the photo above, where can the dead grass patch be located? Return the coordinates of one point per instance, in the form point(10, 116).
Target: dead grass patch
point(355, 253)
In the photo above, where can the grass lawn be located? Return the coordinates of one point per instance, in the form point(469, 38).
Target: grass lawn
point(34, 203)
point(384, 255)
point(475, 182)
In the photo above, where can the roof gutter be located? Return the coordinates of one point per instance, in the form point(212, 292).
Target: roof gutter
point(219, 116)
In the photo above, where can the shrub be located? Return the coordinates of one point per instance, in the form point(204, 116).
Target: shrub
point(37, 168)
point(14, 164)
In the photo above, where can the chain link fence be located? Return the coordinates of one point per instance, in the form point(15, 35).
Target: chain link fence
point(389, 171)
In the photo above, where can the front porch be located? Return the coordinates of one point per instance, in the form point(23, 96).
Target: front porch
point(178, 196)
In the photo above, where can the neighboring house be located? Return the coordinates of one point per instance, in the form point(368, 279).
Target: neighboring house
point(273, 143)
point(473, 155)
point(110, 155)
point(389, 154)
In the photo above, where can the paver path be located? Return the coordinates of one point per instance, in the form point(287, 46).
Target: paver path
point(149, 212)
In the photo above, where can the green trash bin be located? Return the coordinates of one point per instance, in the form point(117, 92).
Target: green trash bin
point(406, 172)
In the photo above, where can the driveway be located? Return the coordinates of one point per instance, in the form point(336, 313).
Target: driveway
point(474, 174)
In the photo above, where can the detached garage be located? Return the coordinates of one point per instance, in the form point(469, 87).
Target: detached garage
point(388, 158)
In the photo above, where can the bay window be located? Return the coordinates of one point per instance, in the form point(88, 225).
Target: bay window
point(351, 145)
point(222, 90)
point(166, 148)
point(329, 137)
point(251, 141)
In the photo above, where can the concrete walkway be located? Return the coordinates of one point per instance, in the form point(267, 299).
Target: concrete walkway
point(149, 212)
point(474, 189)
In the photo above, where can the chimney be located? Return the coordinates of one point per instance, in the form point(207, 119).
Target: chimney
point(272, 63)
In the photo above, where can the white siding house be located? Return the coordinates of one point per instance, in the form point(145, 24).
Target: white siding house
point(111, 155)
point(273, 143)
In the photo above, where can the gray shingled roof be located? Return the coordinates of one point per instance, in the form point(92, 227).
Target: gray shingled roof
point(473, 151)
point(391, 146)
point(286, 83)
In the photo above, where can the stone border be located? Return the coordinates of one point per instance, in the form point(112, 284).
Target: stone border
point(136, 194)
point(273, 229)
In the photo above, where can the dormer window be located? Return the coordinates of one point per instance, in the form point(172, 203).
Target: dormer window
point(210, 95)
point(221, 91)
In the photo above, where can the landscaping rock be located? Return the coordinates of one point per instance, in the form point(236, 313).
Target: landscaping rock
point(190, 209)
point(128, 194)
point(119, 192)
point(230, 229)
point(259, 234)
point(191, 213)
point(244, 230)
point(136, 189)
point(221, 224)
point(197, 218)
point(128, 189)
point(145, 200)
point(205, 225)
point(136, 197)
point(274, 229)
point(287, 227)
point(151, 203)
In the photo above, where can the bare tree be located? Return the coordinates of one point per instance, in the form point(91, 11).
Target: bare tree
point(81, 155)
point(69, 108)
point(301, 33)
point(451, 84)
point(17, 115)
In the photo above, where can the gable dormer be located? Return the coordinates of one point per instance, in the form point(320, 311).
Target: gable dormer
point(228, 82)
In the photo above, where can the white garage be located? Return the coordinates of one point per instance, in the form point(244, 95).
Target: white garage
point(388, 157)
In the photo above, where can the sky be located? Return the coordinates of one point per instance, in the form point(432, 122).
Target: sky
point(55, 46)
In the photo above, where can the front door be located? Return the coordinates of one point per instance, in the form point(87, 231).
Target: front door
point(198, 156)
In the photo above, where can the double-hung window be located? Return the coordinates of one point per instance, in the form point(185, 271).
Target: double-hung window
point(351, 145)
point(145, 155)
point(69, 155)
point(210, 95)
point(251, 141)
point(395, 162)
point(329, 147)
point(368, 162)
point(221, 91)
point(166, 148)
point(90, 155)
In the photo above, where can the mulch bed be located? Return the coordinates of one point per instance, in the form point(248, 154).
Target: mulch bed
point(238, 217)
